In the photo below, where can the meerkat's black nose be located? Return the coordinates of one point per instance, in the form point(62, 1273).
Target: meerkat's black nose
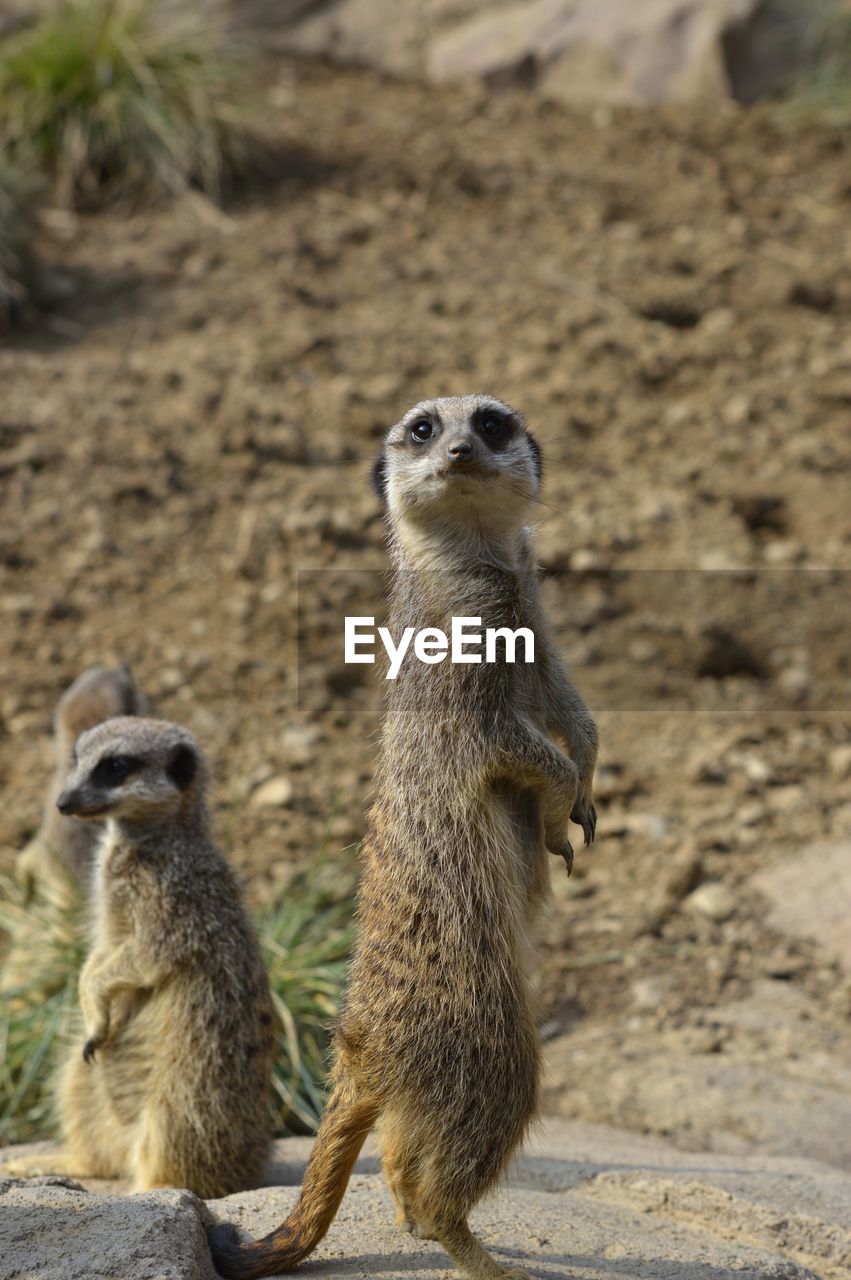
point(460, 451)
point(67, 802)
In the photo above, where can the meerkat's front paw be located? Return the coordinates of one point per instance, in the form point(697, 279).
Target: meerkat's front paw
point(585, 816)
point(94, 1042)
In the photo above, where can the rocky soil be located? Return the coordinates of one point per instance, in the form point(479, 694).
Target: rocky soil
point(585, 1201)
point(186, 430)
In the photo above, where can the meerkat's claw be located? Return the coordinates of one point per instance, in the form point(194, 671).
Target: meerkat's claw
point(567, 853)
point(90, 1048)
point(587, 820)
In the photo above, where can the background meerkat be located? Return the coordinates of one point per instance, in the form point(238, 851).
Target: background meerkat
point(58, 859)
point(438, 1044)
point(170, 1086)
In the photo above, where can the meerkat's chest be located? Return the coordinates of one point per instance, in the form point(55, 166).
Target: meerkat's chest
point(115, 891)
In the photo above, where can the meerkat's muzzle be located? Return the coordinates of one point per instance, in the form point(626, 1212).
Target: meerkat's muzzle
point(463, 459)
point(460, 452)
point(72, 804)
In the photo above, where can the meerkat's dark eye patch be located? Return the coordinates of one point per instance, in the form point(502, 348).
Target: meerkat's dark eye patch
point(182, 766)
point(421, 430)
point(111, 771)
point(379, 478)
point(494, 427)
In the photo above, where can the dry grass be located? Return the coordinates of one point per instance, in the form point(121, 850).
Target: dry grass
point(114, 99)
point(305, 939)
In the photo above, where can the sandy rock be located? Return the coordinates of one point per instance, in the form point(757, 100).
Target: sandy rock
point(578, 1198)
point(52, 1229)
point(612, 51)
point(810, 897)
point(553, 1219)
point(715, 901)
point(376, 33)
point(774, 1079)
point(615, 50)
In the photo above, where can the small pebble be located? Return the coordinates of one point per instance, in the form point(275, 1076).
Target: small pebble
point(714, 901)
point(273, 794)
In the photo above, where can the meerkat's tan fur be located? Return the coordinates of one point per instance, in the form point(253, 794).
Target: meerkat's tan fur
point(169, 1085)
point(438, 1046)
point(58, 859)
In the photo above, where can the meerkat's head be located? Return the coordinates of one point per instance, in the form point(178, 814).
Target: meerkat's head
point(464, 458)
point(133, 769)
point(100, 693)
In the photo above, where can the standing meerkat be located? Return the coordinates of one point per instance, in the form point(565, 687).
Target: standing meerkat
point(58, 859)
point(438, 1045)
point(171, 1084)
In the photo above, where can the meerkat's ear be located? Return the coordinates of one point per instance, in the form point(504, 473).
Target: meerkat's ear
point(379, 478)
point(134, 701)
point(182, 766)
point(537, 457)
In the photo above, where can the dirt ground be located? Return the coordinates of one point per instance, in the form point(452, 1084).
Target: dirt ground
point(186, 432)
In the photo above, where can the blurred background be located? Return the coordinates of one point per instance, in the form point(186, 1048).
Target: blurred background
point(236, 243)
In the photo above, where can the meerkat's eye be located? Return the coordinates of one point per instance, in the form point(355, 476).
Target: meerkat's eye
point(494, 429)
point(111, 771)
point(422, 430)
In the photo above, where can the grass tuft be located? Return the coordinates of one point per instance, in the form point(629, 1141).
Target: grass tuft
point(117, 98)
point(37, 1002)
point(305, 941)
point(306, 947)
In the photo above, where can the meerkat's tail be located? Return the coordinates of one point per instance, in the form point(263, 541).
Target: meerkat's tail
point(341, 1135)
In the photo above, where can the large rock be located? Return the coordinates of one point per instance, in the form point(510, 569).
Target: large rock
point(583, 1200)
point(809, 896)
point(763, 1074)
point(52, 1229)
point(599, 50)
point(615, 51)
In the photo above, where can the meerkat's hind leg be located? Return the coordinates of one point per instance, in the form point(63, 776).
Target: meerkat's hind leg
point(60, 1164)
point(94, 1137)
point(398, 1165)
point(164, 1155)
point(404, 1221)
point(471, 1255)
